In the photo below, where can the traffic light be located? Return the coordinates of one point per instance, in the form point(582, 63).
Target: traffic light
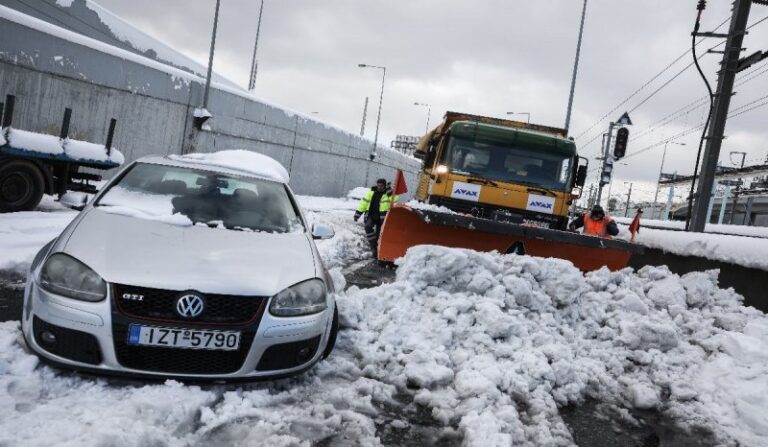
point(622, 136)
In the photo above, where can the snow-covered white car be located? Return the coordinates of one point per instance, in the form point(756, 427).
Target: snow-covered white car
point(198, 266)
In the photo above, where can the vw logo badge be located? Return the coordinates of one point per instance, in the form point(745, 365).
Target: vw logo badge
point(190, 306)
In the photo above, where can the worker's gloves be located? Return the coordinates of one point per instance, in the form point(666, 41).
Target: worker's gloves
point(357, 215)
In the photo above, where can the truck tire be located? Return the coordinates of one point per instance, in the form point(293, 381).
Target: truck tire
point(21, 186)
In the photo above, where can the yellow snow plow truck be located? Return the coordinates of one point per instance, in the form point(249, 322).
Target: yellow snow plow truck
point(494, 184)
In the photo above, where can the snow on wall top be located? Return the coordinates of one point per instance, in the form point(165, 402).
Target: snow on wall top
point(239, 160)
point(53, 145)
point(143, 42)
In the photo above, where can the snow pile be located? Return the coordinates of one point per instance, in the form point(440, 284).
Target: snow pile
point(494, 345)
point(157, 207)
point(53, 145)
point(83, 150)
point(2, 137)
point(129, 416)
point(239, 160)
point(358, 193)
point(415, 204)
point(23, 234)
point(35, 142)
point(740, 250)
point(316, 203)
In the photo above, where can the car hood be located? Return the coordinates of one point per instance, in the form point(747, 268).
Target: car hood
point(141, 252)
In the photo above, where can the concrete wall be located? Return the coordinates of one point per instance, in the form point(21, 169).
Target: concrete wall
point(154, 108)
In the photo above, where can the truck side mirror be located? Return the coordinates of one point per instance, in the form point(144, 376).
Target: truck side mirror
point(581, 175)
point(74, 200)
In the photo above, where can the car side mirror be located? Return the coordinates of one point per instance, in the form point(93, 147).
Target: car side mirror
point(322, 232)
point(74, 200)
point(581, 175)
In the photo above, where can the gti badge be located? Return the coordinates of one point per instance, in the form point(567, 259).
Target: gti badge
point(190, 305)
point(133, 297)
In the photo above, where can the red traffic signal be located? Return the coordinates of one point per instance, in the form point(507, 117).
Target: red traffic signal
point(622, 137)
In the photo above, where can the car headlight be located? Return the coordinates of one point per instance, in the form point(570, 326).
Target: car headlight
point(65, 275)
point(304, 298)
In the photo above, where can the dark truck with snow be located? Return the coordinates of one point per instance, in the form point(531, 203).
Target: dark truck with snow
point(33, 164)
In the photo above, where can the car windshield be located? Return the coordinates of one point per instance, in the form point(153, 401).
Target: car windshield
point(183, 195)
point(512, 164)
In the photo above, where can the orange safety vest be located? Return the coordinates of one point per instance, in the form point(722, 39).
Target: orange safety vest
point(596, 227)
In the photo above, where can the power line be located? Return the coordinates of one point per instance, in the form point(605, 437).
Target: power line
point(669, 81)
point(741, 110)
point(697, 104)
point(650, 81)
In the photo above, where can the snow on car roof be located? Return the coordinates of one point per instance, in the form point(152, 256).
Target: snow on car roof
point(237, 160)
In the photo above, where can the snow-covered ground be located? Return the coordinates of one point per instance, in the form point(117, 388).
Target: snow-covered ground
point(490, 346)
point(740, 250)
point(740, 230)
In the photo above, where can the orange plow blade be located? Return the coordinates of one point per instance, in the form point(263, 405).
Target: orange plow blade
point(406, 227)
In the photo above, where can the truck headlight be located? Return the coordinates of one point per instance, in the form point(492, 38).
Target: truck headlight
point(66, 276)
point(304, 298)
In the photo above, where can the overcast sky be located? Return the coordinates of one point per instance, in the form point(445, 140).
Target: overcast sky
point(487, 57)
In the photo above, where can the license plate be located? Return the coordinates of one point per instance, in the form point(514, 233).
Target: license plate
point(183, 338)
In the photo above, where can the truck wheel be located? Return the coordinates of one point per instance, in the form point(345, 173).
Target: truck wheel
point(333, 334)
point(21, 186)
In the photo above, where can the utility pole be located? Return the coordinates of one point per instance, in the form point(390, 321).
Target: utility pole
point(606, 160)
point(575, 69)
point(629, 195)
point(365, 115)
point(728, 69)
point(661, 170)
point(210, 56)
point(254, 63)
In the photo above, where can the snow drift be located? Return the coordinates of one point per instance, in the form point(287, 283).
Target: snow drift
point(495, 344)
point(491, 346)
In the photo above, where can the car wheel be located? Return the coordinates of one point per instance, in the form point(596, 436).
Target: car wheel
point(21, 186)
point(333, 334)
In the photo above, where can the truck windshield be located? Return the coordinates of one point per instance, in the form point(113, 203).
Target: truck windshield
point(510, 164)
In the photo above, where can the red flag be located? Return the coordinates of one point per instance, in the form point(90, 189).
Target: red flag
point(634, 227)
point(400, 186)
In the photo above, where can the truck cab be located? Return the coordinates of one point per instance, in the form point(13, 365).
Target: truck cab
point(500, 170)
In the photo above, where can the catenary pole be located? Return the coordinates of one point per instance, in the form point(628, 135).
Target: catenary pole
point(726, 78)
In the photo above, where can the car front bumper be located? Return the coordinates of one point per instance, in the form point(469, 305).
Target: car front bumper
point(93, 337)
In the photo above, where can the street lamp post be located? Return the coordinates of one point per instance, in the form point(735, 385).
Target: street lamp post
point(210, 56)
point(381, 100)
point(521, 113)
point(429, 112)
point(661, 170)
point(254, 63)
